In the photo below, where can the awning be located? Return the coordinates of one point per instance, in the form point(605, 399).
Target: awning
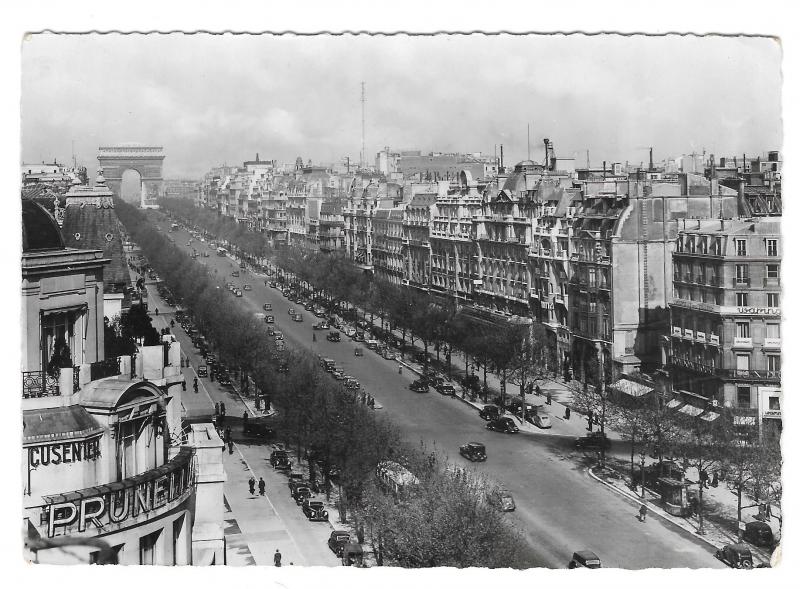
point(709, 416)
point(629, 387)
point(744, 420)
point(690, 410)
point(674, 403)
point(58, 423)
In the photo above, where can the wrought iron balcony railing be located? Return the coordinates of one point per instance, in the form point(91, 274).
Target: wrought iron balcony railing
point(37, 383)
point(105, 368)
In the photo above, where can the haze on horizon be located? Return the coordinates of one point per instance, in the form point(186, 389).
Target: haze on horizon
point(212, 99)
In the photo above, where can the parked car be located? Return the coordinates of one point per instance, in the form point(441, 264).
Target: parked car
point(279, 459)
point(202, 371)
point(593, 441)
point(348, 331)
point(542, 420)
point(585, 559)
point(270, 319)
point(235, 274)
point(333, 336)
point(337, 541)
point(301, 493)
point(339, 375)
point(419, 386)
point(268, 306)
point(291, 311)
point(446, 389)
point(257, 427)
point(297, 317)
point(273, 284)
point(473, 452)
point(737, 556)
point(297, 480)
point(237, 292)
point(278, 335)
point(321, 325)
point(501, 499)
point(489, 412)
point(270, 331)
point(387, 354)
point(247, 287)
point(504, 425)
point(759, 533)
point(223, 378)
point(352, 554)
point(315, 511)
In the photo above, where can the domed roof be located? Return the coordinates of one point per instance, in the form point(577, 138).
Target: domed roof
point(39, 229)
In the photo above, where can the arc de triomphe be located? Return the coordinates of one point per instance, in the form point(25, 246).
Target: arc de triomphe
point(148, 161)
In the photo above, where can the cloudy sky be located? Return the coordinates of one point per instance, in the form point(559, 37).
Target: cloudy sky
point(210, 99)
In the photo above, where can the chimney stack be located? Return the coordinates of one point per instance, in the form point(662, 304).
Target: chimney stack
point(502, 165)
point(651, 159)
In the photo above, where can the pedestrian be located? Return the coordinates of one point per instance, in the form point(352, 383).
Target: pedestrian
point(222, 408)
point(196, 387)
point(216, 408)
point(230, 446)
point(183, 385)
point(704, 479)
point(715, 480)
point(227, 434)
point(156, 311)
point(245, 417)
point(538, 391)
point(221, 418)
point(567, 413)
point(399, 370)
point(549, 398)
point(262, 486)
point(277, 558)
point(643, 513)
point(252, 483)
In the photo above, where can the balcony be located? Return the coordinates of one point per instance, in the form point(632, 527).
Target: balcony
point(743, 343)
point(773, 343)
point(740, 281)
point(772, 281)
point(713, 339)
point(105, 368)
point(763, 375)
point(37, 383)
point(693, 366)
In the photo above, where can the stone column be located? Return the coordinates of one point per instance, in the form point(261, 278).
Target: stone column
point(207, 532)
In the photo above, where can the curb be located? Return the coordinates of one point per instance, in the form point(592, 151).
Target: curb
point(664, 516)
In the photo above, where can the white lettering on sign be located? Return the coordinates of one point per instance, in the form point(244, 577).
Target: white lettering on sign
point(769, 311)
point(113, 507)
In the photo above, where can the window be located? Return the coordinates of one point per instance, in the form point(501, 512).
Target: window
point(772, 247)
point(692, 245)
point(773, 300)
point(743, 397)
point(147, 548)
point(773, 330)
point(704, 245)
point(592, 277)
point(743, 362)
point(774, 363)
point(774, 403)
point(679, 244)
point(742, 274)
point(773, 271)
point(741, 299)
point(741, 247)
point(742, 329)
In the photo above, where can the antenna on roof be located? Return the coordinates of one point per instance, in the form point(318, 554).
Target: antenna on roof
point(529, 141)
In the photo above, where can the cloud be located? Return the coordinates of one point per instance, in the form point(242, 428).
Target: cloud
point(214, 99)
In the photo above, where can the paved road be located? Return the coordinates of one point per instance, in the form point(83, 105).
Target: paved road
point(255, 526)
point(560, 508)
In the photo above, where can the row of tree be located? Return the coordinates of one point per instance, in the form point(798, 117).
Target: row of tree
point(333, 429)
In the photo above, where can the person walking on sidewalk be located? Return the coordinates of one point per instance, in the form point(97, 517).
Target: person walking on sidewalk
point(549, 398)
point(227, 434)
point(252, 483)
point(567, 413)
point(245, 417)
point(262, 486)
point(183, 384)
point(590, 416)
point(196, 387)
point(277, 558)
point(538, 391)
point(643, 513)
point(230, 446)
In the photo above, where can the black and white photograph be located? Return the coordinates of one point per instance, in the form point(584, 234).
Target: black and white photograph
point(463, 300)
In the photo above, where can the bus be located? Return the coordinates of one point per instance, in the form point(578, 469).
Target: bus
point(221, 251)
point(395, 478)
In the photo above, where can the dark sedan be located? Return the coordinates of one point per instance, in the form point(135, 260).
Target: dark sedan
point(504, 425)
point(473, 452)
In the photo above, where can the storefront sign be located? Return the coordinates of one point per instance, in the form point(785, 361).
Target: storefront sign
point(769, 311)
point(64, 452)
point(770, 402)
point(104, 508)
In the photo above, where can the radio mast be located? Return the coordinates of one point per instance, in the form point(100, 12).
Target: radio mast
point(363, 143)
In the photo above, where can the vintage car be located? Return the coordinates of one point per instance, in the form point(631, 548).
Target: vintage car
point(273, 284)
point(301, 493)
point(349, 331)
point(541, 420)
point(501, 499)
point(297, 317)
point(257, 428)
point(278, 335)
point(235, 274)
point(489, 412)
point(291, 311)
point(503, 425)
point(338, 540)
point(270, 318)
point(296, 480)
point(267, 306)
point(315, 511)
point(270, 331)
point(279, 459)
point(358, 352)
point(321, 325)
point(759, 534)
point(333, 336)
point(351, 384)
point(473, 452)
point(387, 354)
point(247, 287)
point(445, 389)
point(419, 386)
point(223, 377)
point(202, 371)
point(593, 441)
point(737, 556)
point(585, 559)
